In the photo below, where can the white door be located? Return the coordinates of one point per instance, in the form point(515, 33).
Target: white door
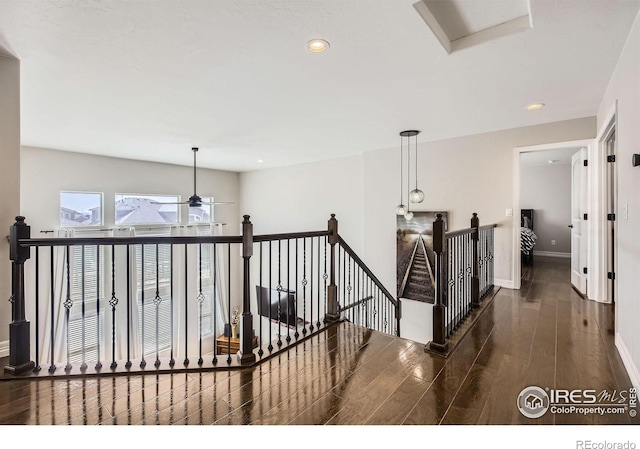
point(578, 224)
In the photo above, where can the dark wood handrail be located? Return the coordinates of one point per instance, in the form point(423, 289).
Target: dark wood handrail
point(139, 240)
point(351, 306)
point(289, 235)
point(160, 240)
point(366, 269)
point(459, 232)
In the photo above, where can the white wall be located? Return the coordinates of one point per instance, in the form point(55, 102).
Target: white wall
point(547, 190)
point(461, 175)
point(9, 178)
point(303, 197)
point(624, 88)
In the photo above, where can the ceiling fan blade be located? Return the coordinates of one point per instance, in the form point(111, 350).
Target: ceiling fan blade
point(162, 204)
point(216, 203)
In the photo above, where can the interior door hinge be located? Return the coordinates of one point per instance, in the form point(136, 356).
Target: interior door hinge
point(611, 217)
point(586, 163)
point(585, 216)
point(611, 275)
point(611, 158)
point(584, 270)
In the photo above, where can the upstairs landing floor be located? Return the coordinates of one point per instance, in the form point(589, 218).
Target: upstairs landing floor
point(543, 335)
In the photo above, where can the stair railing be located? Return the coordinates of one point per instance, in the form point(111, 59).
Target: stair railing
point(463, 276)
point(291, 286)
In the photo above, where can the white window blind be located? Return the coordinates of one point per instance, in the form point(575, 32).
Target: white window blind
point(86, 282)
point(153, 275)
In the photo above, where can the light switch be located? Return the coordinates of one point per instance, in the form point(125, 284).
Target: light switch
point(509, 212)
point(625, 209)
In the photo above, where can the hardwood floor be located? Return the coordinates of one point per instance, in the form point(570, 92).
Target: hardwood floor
point(543, 334)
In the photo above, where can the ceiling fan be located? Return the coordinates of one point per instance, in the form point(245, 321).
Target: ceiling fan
point(195, 200)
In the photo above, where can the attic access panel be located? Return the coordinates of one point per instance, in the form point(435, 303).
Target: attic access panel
point(461, 24)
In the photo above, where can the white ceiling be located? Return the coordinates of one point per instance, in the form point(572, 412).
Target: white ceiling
point(561, 156)
point(149, 80)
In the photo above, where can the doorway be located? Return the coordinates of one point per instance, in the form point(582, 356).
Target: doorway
point(553, 219)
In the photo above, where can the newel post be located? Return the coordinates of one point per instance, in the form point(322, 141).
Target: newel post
point(245, 354)
point(439, 342)
point(333, 312)
point(19, 331)
point(475, 280)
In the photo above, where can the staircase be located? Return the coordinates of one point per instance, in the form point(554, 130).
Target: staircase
point(419, 277)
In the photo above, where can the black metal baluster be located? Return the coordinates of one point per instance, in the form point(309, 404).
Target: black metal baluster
point(186, 305)
point(200, 301)
point(157, 300)
point(270, 347)
point(215, 304)
point(318, 283)
point(349, 288)
point(304, 285)
point(128, 363)
point(172, 361)
point(229, 298)
point(288, 290)
point(259, 300)
point(143, 276)
point(67, 305)
point(99, 362)
point(297, 334)
point(37, 368)
point(83, 365)
point(311, 327)
point(325, 276)
point(279, 290)
point(113, 302)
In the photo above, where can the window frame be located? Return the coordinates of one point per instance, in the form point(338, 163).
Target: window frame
point(146, 196)
point(89, 226)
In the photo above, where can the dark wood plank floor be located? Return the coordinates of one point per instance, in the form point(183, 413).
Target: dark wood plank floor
point(543, 334)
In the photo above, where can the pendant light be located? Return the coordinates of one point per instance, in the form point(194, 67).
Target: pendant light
point(401, 209)
point(416, 195)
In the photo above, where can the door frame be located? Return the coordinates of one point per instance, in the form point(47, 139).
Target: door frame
point(598, 191)
point(516, 271)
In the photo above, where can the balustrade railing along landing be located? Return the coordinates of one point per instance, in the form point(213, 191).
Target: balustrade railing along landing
point(463, 276)
point(167, 303)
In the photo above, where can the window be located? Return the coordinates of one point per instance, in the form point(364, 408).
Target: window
point(80, 209)
point(147, 209)
point(202, 213)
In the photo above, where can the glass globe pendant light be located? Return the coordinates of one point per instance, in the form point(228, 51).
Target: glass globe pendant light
point(416, 195)
point(401, 209)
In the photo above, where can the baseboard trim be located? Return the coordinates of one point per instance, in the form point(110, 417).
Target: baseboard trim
point(627, 360)
point(552, 254)
point(503, 283)
point(4, 348)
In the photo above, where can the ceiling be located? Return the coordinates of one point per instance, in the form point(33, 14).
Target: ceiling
point(149, 80)
point(559, 156)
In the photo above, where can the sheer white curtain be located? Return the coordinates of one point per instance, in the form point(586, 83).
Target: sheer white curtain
point(52, 270)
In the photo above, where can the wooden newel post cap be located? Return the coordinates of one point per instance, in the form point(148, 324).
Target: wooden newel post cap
point(20, 221)
point(438, 217)
point(246, 219)
point(475, 215)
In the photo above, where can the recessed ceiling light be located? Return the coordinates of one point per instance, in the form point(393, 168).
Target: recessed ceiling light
point(260, 161)
point(535, 106)
point(553, 161)
point(317, 45)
